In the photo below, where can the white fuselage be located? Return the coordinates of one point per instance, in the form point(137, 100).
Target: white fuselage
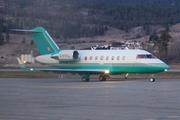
point(122, 61)
point(104, 57)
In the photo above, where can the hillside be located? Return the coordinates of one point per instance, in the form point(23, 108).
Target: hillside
point(79, 24)
point(15, 47)
point(67, 19)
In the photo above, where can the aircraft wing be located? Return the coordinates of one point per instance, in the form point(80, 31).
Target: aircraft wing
point(57, 70)
point(97, 71)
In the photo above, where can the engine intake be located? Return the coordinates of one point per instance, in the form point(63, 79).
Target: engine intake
point(66, 56)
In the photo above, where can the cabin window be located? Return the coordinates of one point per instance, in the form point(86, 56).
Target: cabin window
point(145, 56)
point(124, 57)
point(112, 58)
point(96, 57)
point(85, 58)
point(102, 57)
point(107, 57)
point(118, 58)
point(90, 58)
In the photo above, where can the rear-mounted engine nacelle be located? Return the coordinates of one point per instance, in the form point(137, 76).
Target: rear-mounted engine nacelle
point(66, 56)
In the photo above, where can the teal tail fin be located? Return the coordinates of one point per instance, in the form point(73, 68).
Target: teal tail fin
point(43, 40)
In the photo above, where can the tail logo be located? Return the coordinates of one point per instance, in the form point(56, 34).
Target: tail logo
point(48, 49)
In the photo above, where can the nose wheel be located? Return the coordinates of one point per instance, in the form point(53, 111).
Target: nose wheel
point(152, 79)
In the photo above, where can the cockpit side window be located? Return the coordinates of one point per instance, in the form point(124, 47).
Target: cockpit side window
point(145, 56)
point(150, 56)
point(141, 56)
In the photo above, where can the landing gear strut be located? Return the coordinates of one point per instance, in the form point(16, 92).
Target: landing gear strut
point(126, 75)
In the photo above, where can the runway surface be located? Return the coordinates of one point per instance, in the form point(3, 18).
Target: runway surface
point(71, 99)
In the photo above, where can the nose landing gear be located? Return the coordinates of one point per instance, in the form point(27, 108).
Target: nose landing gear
point(152, 79)
point(126, 76)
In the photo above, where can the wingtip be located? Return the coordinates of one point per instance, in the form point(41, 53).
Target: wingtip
point(22, 66)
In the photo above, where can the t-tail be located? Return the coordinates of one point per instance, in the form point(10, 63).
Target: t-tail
point(43, 40)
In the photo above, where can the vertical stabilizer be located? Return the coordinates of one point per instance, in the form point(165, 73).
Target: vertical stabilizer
point(43, 41)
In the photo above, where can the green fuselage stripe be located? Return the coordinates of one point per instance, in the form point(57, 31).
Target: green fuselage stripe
point(116, 68)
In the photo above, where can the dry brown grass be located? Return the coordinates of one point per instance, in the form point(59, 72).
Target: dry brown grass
point(174, 66)
point(29, 74)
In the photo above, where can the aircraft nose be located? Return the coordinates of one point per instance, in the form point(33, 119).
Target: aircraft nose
point(165, 67)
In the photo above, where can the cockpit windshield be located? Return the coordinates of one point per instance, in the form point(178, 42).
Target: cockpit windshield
point(145, 56)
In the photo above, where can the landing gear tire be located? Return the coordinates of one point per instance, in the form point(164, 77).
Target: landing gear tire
point(85, 79)
point(102, 78)
point(152, 79)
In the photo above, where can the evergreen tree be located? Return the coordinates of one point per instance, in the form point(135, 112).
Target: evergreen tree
point(101, 30)
point(1, 38)
point(7, 35)
point(24, 40)
point(163, 44)
point(167, 28)
point(32, 42)
point(147, 30)
point(154, 37)
point(1, 30)
point(106, 28)
point(56, 34)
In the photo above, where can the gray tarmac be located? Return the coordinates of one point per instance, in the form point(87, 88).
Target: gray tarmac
point(71, 99)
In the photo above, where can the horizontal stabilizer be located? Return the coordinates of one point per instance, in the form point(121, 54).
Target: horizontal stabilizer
point(21, 30)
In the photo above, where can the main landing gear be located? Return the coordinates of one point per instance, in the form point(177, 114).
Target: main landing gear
point(85, 78)
point(103, 77)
